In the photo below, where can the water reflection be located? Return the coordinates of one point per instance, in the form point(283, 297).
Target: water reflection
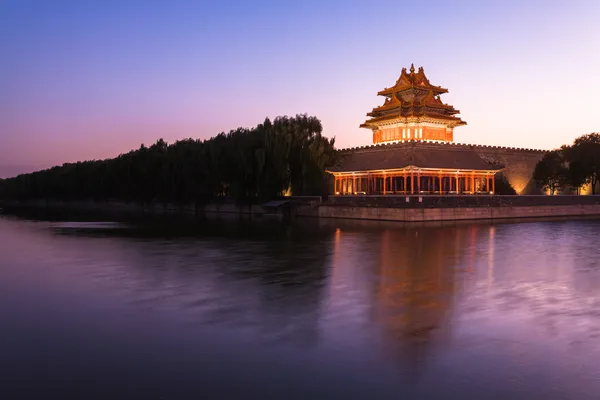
point(479, 310)
point(409, 276)
point(415, 288)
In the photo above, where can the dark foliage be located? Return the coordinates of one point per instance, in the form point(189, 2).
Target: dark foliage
point(585, 152)
point(577, 176)
point(247, 164)
point(503, 186)
point(550, 172)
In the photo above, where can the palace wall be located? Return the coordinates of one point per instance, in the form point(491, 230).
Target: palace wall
point(519, 165)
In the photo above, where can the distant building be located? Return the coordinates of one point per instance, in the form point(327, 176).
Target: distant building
point(414, 150)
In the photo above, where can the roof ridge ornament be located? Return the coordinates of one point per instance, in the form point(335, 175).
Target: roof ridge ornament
point(412, 68)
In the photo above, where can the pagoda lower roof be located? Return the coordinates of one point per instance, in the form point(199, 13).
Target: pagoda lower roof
point(396, 116)
point(427, 155)
point(415, 115)
point(399, 88)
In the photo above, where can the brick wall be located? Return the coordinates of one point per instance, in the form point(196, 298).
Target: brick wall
point(519, 165)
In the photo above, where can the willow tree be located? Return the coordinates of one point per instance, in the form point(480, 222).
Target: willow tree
point(273, 160)
point(309, 153)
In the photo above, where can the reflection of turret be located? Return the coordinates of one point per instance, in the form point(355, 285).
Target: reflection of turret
point(416, 286)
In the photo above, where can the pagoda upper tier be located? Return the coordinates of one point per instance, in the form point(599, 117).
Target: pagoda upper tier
point(412, 110)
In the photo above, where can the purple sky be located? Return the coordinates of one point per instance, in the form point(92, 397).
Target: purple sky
point(92, 79)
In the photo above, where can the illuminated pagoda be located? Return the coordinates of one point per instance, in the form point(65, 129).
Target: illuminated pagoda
point(414, 153)
point(412, 110)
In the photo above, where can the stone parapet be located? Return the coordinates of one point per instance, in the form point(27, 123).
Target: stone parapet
point(471, 201)
point(454, 213)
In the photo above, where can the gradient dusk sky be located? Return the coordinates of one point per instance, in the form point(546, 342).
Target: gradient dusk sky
point(91, 79)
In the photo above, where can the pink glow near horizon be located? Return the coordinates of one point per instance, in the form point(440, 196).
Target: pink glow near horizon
point(87, 83)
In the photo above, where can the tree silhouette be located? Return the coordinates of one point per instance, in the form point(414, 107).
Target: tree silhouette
point(502, 185)
point(577, 176)
point(246, 164)
point(586, 152)
point(550, 172)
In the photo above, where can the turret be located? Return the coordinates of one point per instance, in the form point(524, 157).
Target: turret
point(413, 110)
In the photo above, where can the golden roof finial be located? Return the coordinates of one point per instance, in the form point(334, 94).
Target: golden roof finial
point(412, 68)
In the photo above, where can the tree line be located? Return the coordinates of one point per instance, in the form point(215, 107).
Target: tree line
point(571, 167)
point(288, 154)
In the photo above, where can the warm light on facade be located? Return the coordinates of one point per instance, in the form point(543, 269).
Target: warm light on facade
point(413, 110)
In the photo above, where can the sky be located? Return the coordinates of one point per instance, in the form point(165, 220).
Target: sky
point(85, 79)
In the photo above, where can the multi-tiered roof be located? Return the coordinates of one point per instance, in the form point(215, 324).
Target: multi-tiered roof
point(413, 99)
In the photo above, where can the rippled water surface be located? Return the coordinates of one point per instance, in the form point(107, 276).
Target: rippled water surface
point(316, 309)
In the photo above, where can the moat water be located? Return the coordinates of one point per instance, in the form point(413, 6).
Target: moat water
point(310, 310)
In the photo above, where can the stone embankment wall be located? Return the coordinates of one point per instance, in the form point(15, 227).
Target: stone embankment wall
point(452, 214)
point(453, 208)
point(227, 206)
point(378, 208)
point(461, 201)
point(117, 207)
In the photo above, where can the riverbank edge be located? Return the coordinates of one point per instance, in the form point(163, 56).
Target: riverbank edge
point(450, 214)
point(323, 211)
point(117, 207)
